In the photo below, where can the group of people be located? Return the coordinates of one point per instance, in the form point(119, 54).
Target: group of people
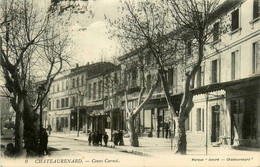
point(118, 138)
point(96, 138)
point(42, 147)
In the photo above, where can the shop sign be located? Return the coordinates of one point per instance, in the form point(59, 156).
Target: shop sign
point(243, 91)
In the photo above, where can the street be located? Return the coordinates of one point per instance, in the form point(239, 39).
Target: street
point(69, 147)
point(72, 151)
point(93, 155)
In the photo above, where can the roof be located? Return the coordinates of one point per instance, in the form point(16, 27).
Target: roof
point(108, 71)
point(94, 69)
point(225, 7)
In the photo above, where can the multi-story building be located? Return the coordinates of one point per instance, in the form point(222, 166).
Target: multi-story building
point(226, 102)
point(154, 119)
point(104, 101)
point(59, 112)
point(227, 92)
point(74, 95)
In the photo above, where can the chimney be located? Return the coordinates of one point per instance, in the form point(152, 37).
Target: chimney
point(77, 65)
point(87, 63)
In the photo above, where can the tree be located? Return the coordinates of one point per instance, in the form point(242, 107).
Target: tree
point(141, 32)
point(163, 28)
point(134, 67)
point(6, 113)
point(195, 19)
point(31, 46)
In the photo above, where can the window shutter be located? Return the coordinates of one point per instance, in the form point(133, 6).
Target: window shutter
point(202, 120)
point(257, 57)
point(235, 20)
point(255, 9)
point(219, 70)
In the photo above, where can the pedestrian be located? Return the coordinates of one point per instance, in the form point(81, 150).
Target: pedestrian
point(115, 138)
point(43, 142)
point(10, 151)
point(166, 126)
point(105, 138)
point(89, 138)
point(49, 129)
point(120, 137)
point(94, 138)
point(100, 138)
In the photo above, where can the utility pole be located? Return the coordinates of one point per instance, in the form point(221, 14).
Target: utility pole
point(207, 101)
point(78, 120)
point(80, 101)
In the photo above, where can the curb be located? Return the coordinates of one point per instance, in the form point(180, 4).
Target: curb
point(131, 151)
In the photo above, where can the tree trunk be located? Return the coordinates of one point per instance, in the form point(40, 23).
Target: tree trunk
point(180, 141)
point(31, 129)
point(133, 135)
point(19, 134)
point(10, 123)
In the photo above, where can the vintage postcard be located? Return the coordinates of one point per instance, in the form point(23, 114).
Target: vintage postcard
point(129, 83)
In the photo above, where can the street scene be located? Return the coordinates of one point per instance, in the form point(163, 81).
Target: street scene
point(130, 83)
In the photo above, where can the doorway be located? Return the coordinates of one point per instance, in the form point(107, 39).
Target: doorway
point(215, 123)
point(160, 123)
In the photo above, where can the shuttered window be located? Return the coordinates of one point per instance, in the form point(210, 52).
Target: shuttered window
point(235, 20)
point(255, 9)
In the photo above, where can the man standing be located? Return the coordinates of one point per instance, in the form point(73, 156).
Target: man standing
point(166, 129)
point(49, 129)
point(89, 138)
point(43, 142)
point(105, 138)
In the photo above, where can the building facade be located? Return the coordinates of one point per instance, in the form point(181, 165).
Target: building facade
point(74, 95)
point(59, 113)
point(226, 92)
point(226, 101)
point(228, 109)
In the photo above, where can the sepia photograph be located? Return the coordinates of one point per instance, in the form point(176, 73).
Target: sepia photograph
point(131, 83)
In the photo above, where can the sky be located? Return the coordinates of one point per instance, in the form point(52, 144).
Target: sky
point(92, 44)
point(90, 36)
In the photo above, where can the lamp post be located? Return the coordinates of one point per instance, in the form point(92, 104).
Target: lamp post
point(41, 90)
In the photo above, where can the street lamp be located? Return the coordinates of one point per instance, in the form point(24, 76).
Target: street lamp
point(41, 90)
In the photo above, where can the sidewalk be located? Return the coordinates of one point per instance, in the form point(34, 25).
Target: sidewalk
point(162, 147)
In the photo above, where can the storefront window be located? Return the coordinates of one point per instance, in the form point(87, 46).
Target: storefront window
point(250, 126)
point(66, 122)
point(244, 116)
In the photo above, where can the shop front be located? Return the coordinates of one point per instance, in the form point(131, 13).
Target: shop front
point(155, 118)
point(97, 121)
point(74, 118)
point(244, 107)
point(59, 120)
point(115, 121)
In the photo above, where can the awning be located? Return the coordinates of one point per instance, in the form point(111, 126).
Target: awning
point(88, 108)
point(162, 103)
point(224, 85)
point(112, 110)
point(59, 112)
point(97, 113)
